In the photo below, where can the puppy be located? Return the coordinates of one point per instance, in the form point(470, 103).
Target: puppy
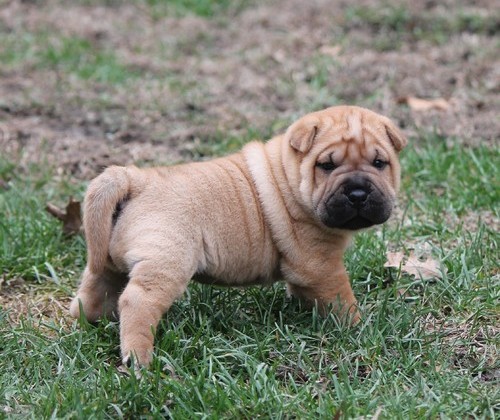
point(286, 209)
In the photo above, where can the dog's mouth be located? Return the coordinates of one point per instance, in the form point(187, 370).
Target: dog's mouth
point(357, 222)
point(352, 219)
point(354, 207)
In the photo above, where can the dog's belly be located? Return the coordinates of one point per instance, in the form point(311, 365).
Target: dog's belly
point(249, 263)
point(259, 280)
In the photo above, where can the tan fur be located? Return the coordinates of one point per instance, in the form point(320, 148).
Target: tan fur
point(250, 218)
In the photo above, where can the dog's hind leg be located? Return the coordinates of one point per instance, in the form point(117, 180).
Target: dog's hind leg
point(98, 295)
point(154, 285)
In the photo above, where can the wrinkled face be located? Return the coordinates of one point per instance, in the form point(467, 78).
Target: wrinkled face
point(349, 168)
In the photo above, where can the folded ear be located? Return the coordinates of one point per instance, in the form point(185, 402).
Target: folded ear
point(300, 135)
point(395, 135)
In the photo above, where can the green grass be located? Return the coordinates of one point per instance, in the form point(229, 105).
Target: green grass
point(203, 8)
point(424, 348)
point(178, 8)
point(395, 24)
point(220, 145)
point(67, 55)
point(78, 56)
point(31, 240)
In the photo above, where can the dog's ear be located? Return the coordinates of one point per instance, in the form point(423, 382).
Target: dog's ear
point(300, 135)
point(395, 135)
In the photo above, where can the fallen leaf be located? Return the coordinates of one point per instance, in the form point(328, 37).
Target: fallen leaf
point(331, 50)
point(426, 270)
point(279, 56)
point(71, 216)
point(422, 105)
point(394, 259)
point(423, 269)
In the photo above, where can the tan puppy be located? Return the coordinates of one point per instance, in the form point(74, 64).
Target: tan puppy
point(285, 209)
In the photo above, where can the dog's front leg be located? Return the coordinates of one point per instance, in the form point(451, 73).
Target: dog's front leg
point(154, 285)
point(328, 286)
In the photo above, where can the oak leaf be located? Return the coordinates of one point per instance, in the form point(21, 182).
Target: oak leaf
point(330, 50)
point(71, 216)
point(423, 105)
point(423, 269)
point(394, 259)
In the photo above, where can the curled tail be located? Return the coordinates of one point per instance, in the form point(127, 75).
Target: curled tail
point(101, 200)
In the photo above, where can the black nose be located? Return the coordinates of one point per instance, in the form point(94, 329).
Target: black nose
point(357, 196)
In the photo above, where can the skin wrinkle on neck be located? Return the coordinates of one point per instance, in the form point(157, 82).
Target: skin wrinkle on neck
point(264, 188)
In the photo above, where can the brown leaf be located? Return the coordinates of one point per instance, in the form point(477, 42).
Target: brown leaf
point(423, 105)
point(331, 50)
point(394, 259)
point(71, 217)
point(426, 270)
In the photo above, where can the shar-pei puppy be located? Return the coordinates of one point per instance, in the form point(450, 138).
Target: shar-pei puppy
point(281, 210)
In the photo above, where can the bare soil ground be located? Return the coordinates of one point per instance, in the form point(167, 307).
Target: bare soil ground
point(185, 80)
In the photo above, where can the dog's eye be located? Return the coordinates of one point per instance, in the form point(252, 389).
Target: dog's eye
point(380, 164)
point(326, 166)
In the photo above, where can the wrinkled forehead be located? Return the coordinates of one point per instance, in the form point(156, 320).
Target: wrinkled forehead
point(353, 133)
point(352, 126)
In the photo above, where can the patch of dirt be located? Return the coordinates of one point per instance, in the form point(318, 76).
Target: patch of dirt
point(472, 349)
point(195, 78)
point(19, 299)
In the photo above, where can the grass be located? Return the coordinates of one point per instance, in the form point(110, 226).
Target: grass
point(424, 349)
point(220, 145)
point(66, 55)
point(397, 24)
point(202, 8)
point(73, 55)
point(30, 239)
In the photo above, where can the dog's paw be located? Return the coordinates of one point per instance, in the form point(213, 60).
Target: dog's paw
point(129, 368)
point(74, 309)
point(137, 359)
point(354, 318)
point(92, 308)
point(82, 306)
